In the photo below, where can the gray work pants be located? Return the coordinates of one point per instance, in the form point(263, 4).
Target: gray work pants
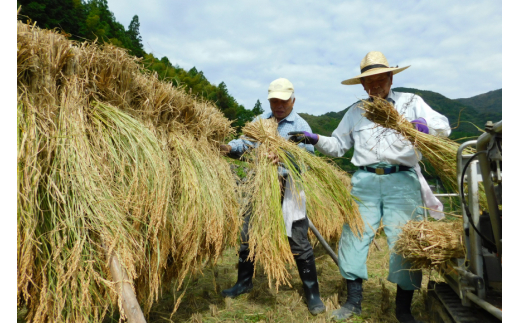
point(299, 242)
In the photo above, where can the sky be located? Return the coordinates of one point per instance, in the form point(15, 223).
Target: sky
point(454, 47)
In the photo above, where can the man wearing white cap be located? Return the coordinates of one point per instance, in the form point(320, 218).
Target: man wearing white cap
point(281, 99)
point(386, 182)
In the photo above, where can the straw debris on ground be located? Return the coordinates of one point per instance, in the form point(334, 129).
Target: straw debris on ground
point(112, 161)
point(263, 304)
point(429, 245)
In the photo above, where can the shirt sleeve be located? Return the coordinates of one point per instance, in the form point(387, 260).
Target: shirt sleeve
point(240, 146)
point(340, 141)
point(438, 125)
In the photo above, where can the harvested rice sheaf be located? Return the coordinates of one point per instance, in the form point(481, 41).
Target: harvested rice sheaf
point(329, 203)
point(111, 161)
point(441, 152)
point(430, 244)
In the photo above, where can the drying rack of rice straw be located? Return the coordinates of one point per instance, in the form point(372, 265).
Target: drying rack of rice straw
point(121, 188)
point(329, 204)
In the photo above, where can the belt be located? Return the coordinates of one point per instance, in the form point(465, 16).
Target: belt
point(386, 170)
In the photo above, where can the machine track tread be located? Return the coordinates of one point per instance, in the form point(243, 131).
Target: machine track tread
point(453, 305)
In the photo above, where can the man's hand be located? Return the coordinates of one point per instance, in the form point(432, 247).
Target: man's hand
point(273, 157)
point(225, 149)
point(421, 125)
point(303, 136)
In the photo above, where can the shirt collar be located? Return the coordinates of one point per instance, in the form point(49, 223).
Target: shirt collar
point(291, 117)
point(391, 96)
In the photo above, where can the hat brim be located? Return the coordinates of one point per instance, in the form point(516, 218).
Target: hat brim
point(374, 71)
point(279, 95)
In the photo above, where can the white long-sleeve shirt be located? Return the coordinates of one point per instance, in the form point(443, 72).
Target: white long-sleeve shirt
point(372, 143)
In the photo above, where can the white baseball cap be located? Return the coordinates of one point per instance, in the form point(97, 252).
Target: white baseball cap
point(280, 89)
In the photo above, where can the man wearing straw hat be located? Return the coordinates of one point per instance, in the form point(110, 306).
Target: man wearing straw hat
point(281, 99)
point(386, 182)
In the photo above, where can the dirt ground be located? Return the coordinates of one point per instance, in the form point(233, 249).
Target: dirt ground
point(203, 303)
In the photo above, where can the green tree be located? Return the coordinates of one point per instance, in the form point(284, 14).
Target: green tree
point(101, 24)
point(135, 38)
point(66, 15)
point(257, 109)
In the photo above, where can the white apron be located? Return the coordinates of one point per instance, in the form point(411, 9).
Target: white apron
point(293, 207)
point(433, 204)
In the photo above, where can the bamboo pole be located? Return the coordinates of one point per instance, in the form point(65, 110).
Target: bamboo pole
point(324, 243)
point(133, 311)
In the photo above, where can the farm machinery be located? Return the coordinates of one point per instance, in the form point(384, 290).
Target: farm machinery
point(472, 291)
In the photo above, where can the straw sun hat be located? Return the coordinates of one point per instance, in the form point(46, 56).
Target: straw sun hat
point(373, 63)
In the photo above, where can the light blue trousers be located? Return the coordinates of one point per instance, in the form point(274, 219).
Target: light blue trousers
point(395, 198)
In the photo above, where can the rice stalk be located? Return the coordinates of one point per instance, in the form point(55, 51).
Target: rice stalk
point(138, 169)
point(430, 245)
point(327, 190)
point(98, 175)
point(205, 218)
point(268, 243)
point(72, 214)
point(323, 213)
point(441, 152)
point(324, 184)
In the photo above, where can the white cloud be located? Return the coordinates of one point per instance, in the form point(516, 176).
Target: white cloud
point(455, 48)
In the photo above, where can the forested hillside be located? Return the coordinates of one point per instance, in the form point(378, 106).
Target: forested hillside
point(489, 104)
point(92, 20)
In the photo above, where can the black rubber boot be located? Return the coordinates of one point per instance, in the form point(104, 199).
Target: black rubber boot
point(353, 304)
point(403, 303)
point(309, 277)
point(244, 282)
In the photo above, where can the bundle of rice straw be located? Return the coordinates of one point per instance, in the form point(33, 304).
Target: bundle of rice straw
point(441, 152)
point(430, 244)
point(112, 163)
point(326, 187)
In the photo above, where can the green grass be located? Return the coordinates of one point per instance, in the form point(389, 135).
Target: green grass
point(203, 303)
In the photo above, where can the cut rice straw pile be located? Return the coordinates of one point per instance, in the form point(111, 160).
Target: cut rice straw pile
point(327, 190)
point(429, 245)
point(112, 161)
point(441, 152)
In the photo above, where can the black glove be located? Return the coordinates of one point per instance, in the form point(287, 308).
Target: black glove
point(303, 136)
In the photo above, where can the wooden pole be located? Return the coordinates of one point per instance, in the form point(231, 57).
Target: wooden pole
point(376, 244)
point(329, 250)
point(376, 234)
point(133, 311)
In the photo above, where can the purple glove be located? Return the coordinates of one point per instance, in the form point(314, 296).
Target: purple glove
point(303, 136)
point(421, 125)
